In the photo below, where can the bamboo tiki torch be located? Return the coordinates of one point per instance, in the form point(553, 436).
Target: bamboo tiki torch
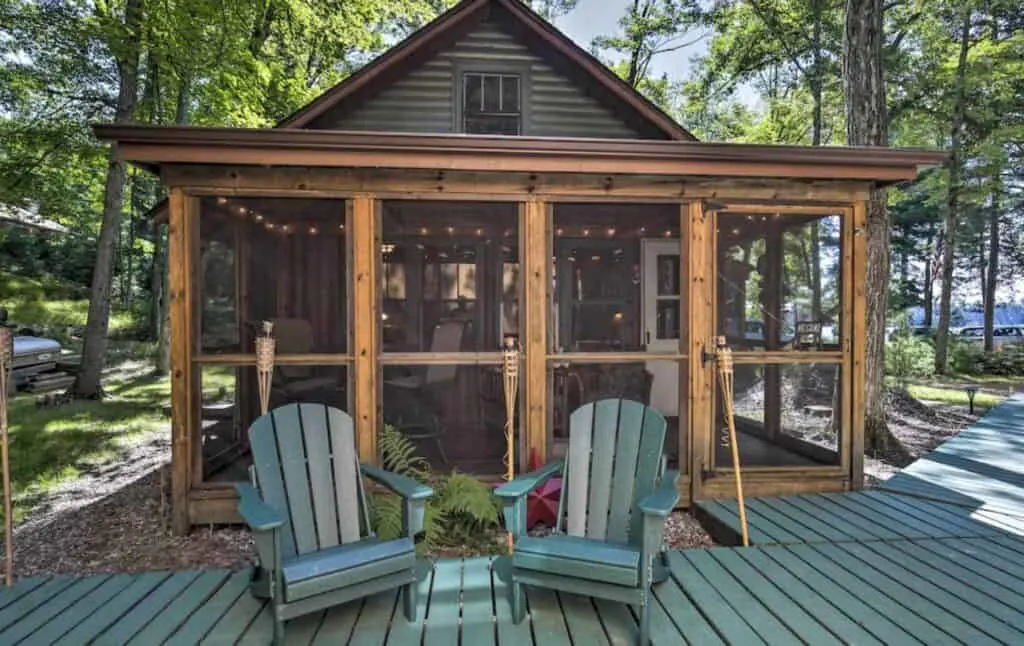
point(510, 383)
point(6, 352)
point(265, 347)
point(725, 379)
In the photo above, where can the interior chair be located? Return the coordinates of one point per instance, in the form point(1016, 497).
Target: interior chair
point(616, 497)
point(412, 405)
point(295, 383)
point(308, 514)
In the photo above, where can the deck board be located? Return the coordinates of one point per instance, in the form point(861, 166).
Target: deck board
point(926, 565)
point(925, 591)
point(980, 468)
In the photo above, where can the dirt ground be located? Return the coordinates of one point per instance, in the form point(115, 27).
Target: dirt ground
point(111, 520)
point(919, 427)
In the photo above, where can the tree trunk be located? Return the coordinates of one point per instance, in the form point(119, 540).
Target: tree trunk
point(163, 353)
point(992, 269)
point(864, 85)
point(952, 201)
point(94, 347)
point(929, 284)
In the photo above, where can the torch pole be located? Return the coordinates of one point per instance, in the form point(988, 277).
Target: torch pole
point(725, 379)
point(6, 341)
point(510, 383)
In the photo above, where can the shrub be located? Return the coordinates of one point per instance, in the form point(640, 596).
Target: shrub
point(908, 356)
point(461, 511)
point(1005, 361)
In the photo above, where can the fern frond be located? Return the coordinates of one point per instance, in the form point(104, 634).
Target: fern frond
point(464, 494)
point(398, 454)
point(386, 512)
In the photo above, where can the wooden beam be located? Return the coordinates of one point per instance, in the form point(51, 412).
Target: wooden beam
point(506, 161)
point(701, 298)
point(366, 320)
point(289, 359)
point(180, 235)
point(453, 185)
point(535, 258)
point(441, 358)
point(683, 435)
point(615, 357)
point(844, 415)
point(858, 341)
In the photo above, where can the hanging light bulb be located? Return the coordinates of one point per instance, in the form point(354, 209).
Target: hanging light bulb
point(313, 231)
point(222, 200)
point(611, 231)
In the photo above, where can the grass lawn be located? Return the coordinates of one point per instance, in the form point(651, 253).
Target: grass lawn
point(54, 444)
point(953, 394)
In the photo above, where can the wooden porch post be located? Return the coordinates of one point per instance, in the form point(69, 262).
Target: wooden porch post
point(858, 328)
point(701, 298)
point(684, 448)
point(365, 322)
point(181, 233)
point(535, 251)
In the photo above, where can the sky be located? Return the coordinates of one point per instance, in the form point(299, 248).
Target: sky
point(600, 17)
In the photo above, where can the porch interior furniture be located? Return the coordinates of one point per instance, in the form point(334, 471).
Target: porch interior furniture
point(295, 383)
point(414, 404)
point(616, 497)
point(308, 514)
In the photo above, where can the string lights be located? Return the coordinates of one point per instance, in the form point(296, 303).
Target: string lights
point(580, 231)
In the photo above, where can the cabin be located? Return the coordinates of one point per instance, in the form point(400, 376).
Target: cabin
point(487, 182)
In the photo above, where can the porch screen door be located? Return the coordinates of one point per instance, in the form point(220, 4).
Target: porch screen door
point(662, 309)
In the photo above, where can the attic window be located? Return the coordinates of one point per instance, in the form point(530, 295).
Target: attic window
point(491, 104)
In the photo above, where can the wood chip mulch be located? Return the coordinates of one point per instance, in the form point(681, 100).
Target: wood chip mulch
point(109, 520)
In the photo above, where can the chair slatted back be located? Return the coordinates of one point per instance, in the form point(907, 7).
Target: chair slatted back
point(614, 460)
point(306, 467)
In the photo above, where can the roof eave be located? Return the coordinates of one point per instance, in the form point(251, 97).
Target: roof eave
point(154, 145)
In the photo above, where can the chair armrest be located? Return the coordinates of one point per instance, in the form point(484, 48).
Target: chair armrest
point(526, 483)
point(662, 500)
point(258, 515)
point(404, 486)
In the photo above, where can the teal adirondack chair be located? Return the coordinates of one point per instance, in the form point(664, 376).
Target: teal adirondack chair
point(308, 514)
point(615, 500)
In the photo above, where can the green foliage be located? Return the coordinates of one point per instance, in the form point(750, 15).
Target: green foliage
point(51, 445)
point(55, 309)
point(461, 512)
point(909, 356)
point(1005, 361)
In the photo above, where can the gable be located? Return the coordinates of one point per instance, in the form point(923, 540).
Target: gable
point(414, 86)
point(425, 99)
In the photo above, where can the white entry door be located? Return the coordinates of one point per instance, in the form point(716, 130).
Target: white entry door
point(662, 309)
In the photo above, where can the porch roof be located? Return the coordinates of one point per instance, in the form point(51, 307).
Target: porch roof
point(152, 146)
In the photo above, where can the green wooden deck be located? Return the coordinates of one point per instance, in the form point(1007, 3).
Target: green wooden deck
point(942, 565)
point(971, 486)
point(928, 591)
